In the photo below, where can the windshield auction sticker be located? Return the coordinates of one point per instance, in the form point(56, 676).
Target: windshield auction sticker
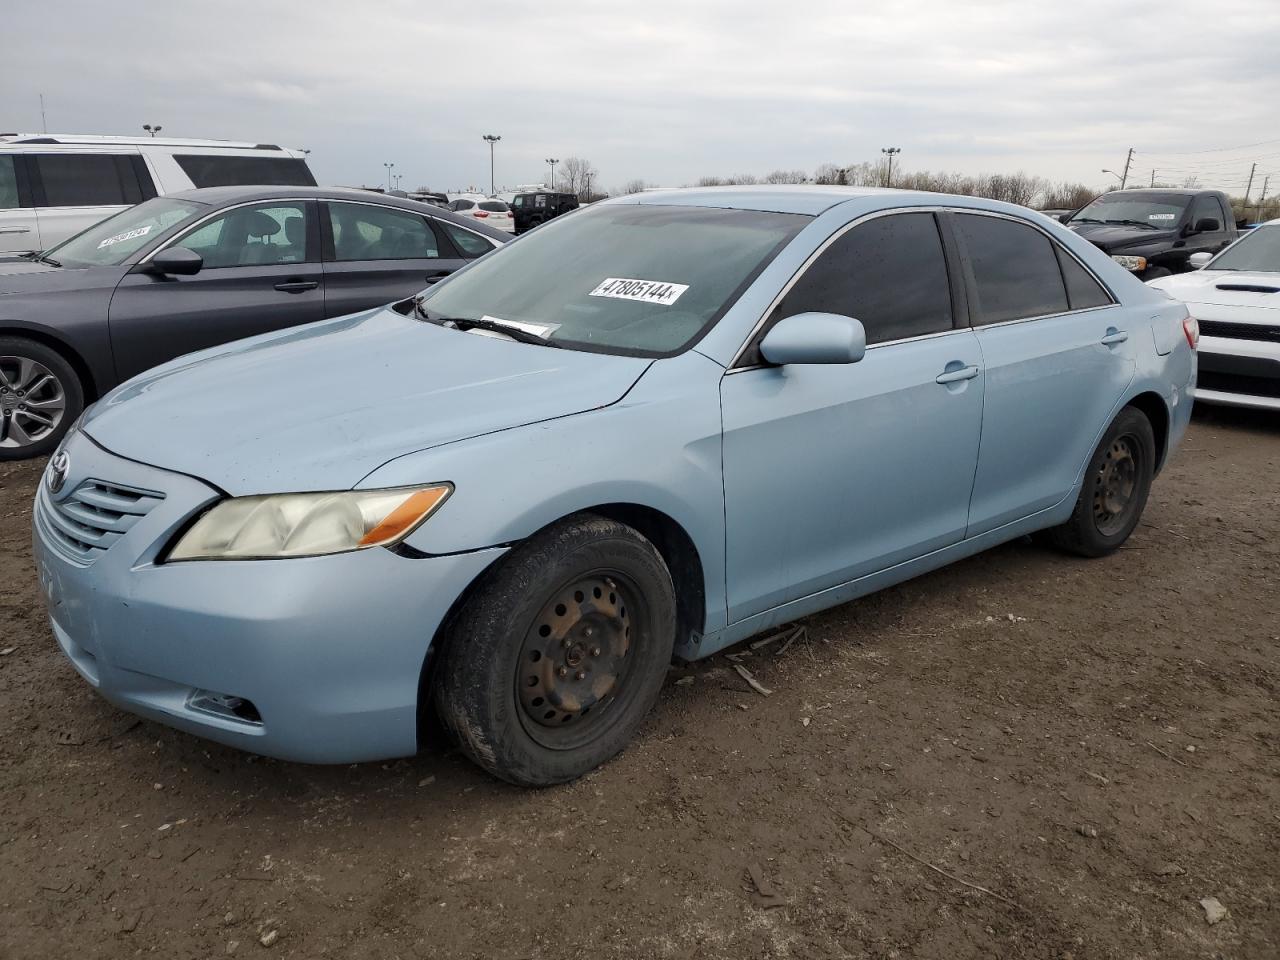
point(646, 291)
point(1162, 216)
point(122, 237)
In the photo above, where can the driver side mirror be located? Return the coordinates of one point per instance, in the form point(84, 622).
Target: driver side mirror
point(815, 338)
point(175, 261)
point(1207, 225)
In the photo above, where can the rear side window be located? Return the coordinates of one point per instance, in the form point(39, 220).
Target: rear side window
point(470, 244)
point(889, 273)
point(1015, 270)
point(8, 184)
point(87, 179)
point(365, 232)
point(1083, 292)
point(223, 171)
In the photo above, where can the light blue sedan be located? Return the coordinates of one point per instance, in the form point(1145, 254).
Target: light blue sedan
point(653, 428)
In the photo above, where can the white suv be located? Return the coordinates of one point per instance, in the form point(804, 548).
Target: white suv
point(52, 186)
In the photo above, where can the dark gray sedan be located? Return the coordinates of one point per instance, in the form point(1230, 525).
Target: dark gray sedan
point(196, 269)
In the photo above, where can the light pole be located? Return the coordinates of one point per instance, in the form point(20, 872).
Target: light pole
point(890, 152)
point(1119, 179)
point(152, 130)
point(491, 138)
point(388, 166)
point(553, 161)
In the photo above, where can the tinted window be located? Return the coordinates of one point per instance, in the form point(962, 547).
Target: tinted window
point(1083, 291)
point(1206, 208)
point(1014, 269)
point(85, 180)
point(889, 273)
point(461, 205)
point(494, 206)
point(260, 235)
point(468, 243)
point(8, 184)
point(364, 232)
point(224, 171)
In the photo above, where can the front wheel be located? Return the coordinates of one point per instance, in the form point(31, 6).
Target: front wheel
point(550, 666)
point(1115, 489)
point(40, 397)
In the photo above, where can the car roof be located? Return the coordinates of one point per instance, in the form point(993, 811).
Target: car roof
point(225, 196)
point(94, 140)
point(805, 199)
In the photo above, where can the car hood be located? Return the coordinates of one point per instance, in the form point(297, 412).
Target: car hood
point(28, 276)
point(320, 407)
point(1227, 288)
point(1115, 237)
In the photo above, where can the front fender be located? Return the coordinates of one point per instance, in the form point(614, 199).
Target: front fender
point(659, 447)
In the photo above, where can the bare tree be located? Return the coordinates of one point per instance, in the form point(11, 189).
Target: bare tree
point(786, 176)
point(575, 172)
point(632, 186)
point(828, 173)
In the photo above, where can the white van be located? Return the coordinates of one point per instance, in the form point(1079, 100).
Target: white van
point(52, 186)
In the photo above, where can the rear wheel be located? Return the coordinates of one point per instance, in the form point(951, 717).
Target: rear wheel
point(1115, 489)
point(40, 397)
point(551, 665)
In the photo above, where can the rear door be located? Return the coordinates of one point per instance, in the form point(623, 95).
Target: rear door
point(1058, 354)
point(261, 273)
point(74, 190)
point(19, 228)
point(377, 254)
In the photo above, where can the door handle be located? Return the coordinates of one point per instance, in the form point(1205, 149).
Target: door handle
point(15, 229)
point(1115, 336)
point(955, 376)
point(297, 286)
point(436, 277)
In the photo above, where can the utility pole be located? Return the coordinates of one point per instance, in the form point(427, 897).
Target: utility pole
point(44, 124)
point(491, 138)
point(553, 161)
point(1153, 178)
point(1124, 177)
point(1245, 205)
point(1266, 180)
point(890, 152)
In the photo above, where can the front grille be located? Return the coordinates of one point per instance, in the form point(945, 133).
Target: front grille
point(1267, 333)
point(1233, 383)
point(94, 516)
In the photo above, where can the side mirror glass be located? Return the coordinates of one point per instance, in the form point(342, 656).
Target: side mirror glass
point(1207, 225)
point(176, 261)
point(815, 338)
point(1198, 260)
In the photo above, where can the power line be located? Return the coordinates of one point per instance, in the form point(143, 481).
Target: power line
point(1245, 146)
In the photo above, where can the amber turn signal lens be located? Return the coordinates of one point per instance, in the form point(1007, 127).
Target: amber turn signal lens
point(405, 517)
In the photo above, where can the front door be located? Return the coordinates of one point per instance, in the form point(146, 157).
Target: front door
point(261, 273)
point(835, 472)
point(378, 254)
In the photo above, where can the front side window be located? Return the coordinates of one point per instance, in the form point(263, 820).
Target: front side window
point(258, 235)
point(85, 180)
point(1257, 251)
point(1206, 208)
point(1015, 270)
point(219, 170)
point(111, 242)
point(365, 232)
point(889, 273)
point(636, 279)
point(518, 202)
point(8, 183)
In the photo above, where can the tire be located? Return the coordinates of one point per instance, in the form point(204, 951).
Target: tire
point(1115, 489)
point(34, 421)
point(554, 660)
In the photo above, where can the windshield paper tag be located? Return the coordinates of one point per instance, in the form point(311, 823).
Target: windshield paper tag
point(121, 237)
point(646, 291)
point(1162, 216)
point(543, 330)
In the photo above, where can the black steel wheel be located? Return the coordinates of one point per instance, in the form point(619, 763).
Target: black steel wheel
point(553, 661)
point(1115, 489)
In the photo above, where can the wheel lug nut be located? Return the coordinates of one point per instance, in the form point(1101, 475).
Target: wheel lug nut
point(586, 631)
point(580, 675)
point(595, 651)
point(562, 672)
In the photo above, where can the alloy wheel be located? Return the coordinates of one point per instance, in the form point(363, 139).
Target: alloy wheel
point(33, 401)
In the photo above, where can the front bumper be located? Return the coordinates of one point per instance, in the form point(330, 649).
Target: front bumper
point(327, 650)
point(1239, 373)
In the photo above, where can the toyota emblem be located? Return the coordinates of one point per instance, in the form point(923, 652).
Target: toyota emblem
point(59, 467)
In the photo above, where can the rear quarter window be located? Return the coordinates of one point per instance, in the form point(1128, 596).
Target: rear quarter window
point(206, 170)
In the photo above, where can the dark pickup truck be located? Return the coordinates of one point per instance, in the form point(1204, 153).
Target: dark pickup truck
point(1155, 232)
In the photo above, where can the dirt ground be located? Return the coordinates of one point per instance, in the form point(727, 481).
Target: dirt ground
point(1025, 755)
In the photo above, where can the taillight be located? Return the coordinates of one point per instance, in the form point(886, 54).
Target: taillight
point(1191, 327)
point(482, 214)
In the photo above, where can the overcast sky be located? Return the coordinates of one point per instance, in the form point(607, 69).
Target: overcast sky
point(667, 91)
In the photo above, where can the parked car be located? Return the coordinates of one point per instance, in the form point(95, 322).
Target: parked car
point(1153, 233)
point(435, 199)
point(493, 213)
point(197, 269)
point(1236, 298)
point(661, 425)
point(532, 209)
point(52, 186)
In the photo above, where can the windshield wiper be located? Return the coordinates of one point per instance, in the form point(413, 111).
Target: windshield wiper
point(484, 323)
point(1135, 223)
point(1085, 220)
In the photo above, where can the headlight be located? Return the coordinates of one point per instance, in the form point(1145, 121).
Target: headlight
point(308, 524)
point(1136, 264)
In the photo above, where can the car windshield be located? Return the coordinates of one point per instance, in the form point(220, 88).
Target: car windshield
point(112, 241)
point(1258, 251)
point(1160, 212)
point(634, 279)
